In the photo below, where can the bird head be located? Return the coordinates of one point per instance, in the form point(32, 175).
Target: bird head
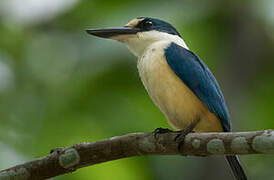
point(140, 33)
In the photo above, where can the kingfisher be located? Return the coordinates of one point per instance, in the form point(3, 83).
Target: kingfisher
point(176, 79)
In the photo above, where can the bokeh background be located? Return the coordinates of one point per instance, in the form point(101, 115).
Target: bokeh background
point(60, 86)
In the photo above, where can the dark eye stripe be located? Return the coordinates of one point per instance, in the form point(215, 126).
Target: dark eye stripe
point(145, 25)
point(148, 24)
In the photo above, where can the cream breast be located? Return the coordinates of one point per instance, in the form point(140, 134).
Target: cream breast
point(179, 104)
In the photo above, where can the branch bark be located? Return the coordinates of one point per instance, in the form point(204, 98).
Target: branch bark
point(65, 160)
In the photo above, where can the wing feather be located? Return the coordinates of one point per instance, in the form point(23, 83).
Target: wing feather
point(196, 75)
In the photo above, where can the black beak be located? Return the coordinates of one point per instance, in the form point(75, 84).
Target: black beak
point(114, 31)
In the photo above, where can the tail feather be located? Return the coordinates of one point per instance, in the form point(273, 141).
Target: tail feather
point(236, 167)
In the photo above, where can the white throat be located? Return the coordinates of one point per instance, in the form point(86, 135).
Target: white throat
point(138, 43)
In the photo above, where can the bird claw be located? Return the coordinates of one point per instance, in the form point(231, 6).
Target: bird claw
point(180, 138)
point(57, 150)
point(158, 131)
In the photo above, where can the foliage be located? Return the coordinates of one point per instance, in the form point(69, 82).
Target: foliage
point(60, 86)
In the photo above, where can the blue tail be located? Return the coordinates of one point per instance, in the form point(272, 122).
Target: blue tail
point(236, 167)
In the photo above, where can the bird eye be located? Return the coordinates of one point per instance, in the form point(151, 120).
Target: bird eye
point(148, 24)
point(145, 25)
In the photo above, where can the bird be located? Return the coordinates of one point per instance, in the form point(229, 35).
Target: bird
point(176, 79)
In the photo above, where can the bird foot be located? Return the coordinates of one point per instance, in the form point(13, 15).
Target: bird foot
point(57, 150)
point(180, 138)
point(158, 131)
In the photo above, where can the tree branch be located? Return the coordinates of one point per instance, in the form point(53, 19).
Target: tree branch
point(65, 160)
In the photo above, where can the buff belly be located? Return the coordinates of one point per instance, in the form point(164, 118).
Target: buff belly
point(179, 104)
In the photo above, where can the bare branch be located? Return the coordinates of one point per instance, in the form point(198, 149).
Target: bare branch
point(65, 160)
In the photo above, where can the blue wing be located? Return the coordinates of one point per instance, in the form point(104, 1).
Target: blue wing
point(196, 75)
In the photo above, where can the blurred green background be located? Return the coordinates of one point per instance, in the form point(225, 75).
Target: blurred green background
point(60, 86)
